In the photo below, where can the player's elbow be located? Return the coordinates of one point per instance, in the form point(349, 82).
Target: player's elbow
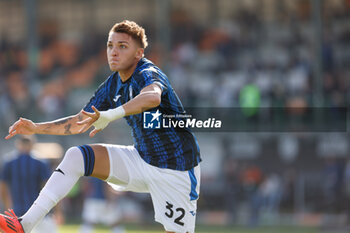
point(154, 100)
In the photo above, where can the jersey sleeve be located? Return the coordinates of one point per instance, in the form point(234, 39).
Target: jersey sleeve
point(100, 99)
point(150, 76)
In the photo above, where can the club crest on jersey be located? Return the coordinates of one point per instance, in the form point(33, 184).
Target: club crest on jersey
point(152, 120)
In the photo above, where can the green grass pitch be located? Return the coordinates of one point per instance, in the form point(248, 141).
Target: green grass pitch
point(199, 229)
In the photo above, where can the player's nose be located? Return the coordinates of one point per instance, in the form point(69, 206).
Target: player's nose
point(114, 52)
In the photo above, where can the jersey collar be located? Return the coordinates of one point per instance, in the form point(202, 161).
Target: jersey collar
point(142, 63)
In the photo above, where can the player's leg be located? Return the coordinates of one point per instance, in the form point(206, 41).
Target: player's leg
point(179, 188)
point(78, 161)
point(102, 165)
point(174, 196)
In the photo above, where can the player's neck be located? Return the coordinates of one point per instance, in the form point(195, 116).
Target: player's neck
point(127, 73)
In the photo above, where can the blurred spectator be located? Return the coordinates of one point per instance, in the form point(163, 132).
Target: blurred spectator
point(290, 177)
point(271, 192)
point(21, 181)
point(100, 207)
point(17, 99)
point(332, 184)
point(52, 99)
point(252, 177)
point(347, 178)
point(347, 189)
point(232, 184)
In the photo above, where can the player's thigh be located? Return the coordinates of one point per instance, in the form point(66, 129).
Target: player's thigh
point(102, 164)
point(110, 160)
point(174, 196)
point(126, 169)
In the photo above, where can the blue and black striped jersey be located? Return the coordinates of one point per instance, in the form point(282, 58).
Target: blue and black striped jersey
point(173, 148)
point(25, 176)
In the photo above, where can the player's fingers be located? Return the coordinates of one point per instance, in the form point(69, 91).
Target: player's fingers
point(86, 124)
point(96, 110)
point(10, 135)
point(94, 132)
point(89, 114)
point(86, 127)
point(14, 126)
point(12, 129)
point(86, 121)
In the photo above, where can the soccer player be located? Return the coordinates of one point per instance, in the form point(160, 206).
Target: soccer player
point(21, 181)
point(162, 162)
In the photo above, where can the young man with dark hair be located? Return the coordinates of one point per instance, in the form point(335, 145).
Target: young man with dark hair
point(162, 162)
point(22, 178)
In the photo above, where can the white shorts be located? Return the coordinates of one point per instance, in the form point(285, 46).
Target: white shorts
point(93, 208)
point(174, 193)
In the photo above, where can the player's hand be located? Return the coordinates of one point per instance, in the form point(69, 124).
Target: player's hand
point(22, 126)
point(87, 123)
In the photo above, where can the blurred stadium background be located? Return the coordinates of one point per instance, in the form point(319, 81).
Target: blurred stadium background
point(294, 52)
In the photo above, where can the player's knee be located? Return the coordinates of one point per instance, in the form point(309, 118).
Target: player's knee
point(73, 154)
point(73, 161)
point(72, 150)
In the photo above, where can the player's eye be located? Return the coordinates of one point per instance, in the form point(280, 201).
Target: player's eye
point(122, 46)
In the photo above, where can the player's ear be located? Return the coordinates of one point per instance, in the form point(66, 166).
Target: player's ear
point(139, 53)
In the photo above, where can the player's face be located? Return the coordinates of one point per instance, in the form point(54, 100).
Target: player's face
point(123, 52)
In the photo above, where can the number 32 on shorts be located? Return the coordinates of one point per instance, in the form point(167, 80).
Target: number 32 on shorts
point(180, 213)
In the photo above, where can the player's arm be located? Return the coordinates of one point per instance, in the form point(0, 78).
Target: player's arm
point(63, 126)
point(149, 97)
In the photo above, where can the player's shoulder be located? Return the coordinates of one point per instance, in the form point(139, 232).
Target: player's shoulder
point(146, 69)
point(107, 81)
point(107, 84)
point(110, 80)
